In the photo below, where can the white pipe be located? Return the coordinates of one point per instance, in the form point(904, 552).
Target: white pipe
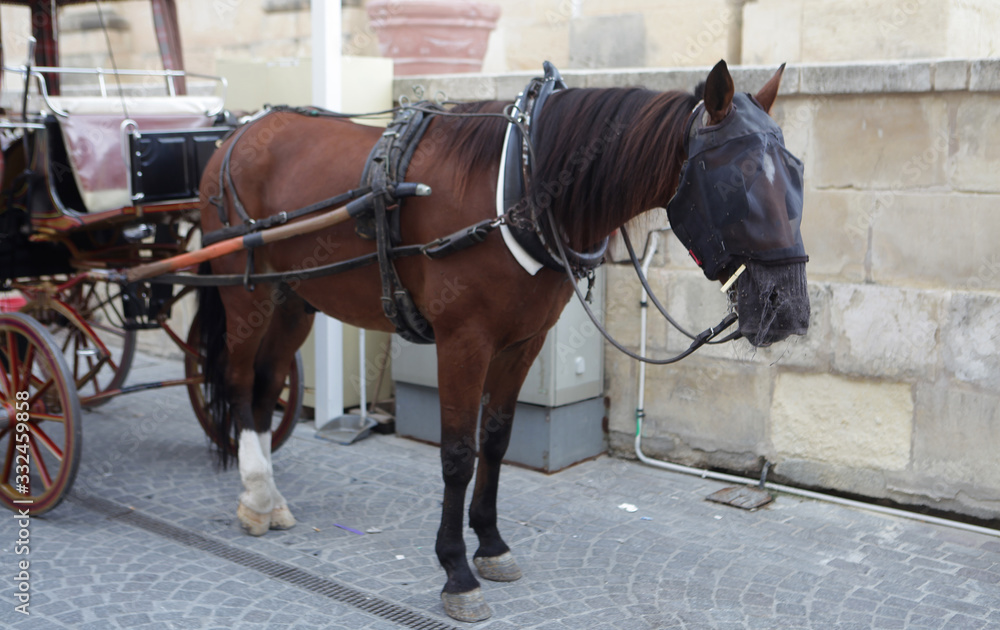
point(361, 373)
point(640, 413)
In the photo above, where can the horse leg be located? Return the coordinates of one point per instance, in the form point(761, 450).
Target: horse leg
point(258, 365)
point(255, 504)
point(288, 328)
point(503, 383)
point(462, 365)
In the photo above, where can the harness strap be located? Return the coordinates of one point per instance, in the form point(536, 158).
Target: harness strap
point(397, 304)
point(531, 228)
point(462, 239)
point(226, 178)
point(281, 217)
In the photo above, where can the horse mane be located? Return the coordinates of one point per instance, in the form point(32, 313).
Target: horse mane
point(602, 155)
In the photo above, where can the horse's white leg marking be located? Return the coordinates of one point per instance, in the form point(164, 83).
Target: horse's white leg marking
point(281, 516)
point(256, 501)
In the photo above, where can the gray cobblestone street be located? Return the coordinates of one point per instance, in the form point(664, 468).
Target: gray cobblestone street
point(679, 561)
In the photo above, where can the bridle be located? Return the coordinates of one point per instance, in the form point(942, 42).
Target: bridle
point(707, 336)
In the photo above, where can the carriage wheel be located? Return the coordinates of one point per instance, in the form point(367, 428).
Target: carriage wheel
point(87, 322)
point(38, 402)
point(286, 414)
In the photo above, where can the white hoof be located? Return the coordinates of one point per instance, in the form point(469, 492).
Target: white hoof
point(254, 523)
point(281, 518)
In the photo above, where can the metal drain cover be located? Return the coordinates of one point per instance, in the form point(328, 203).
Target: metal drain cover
point(743, 497)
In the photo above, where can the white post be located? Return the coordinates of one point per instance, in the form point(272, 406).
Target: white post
point(329, 333)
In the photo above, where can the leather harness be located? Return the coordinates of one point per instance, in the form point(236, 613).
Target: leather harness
point(376, 203)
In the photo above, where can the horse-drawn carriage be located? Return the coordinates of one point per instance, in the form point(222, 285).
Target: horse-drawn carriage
point(100, 180)
point(525, 197)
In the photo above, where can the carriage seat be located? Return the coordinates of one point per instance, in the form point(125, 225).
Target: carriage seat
point(91, 134)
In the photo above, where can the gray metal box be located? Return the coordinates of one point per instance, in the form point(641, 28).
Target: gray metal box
point(562, 409)
point(544, 438)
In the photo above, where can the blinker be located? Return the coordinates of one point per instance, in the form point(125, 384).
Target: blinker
point(740, 193)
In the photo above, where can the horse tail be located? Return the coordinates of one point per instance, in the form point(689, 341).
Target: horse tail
point(212, 337)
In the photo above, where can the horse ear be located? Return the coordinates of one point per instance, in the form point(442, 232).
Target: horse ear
point(718, 92)
point(769, 92)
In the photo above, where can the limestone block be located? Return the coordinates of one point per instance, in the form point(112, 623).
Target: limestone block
point(529, 43)
point(984, 75)
point(971, 339)
point(696, 36)
point(695, 302)
point(678, 33)
point(684, 79)
point(950, 75)
point(751, 79)
point(835, 234)
point(809, 473)
point(861, 78)
point(956, 439)
point(709, 404)
point(942, 240)
point(972, 29)
point(772, 31)
point(622, 309)
point(608, 41)
point(831, 419)
point(549, 12)
point(620, 380)
point(844, 30)
point(976, 157)
point(886, 332)
point(891, 142)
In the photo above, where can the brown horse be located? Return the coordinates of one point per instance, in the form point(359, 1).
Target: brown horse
point(602, 156)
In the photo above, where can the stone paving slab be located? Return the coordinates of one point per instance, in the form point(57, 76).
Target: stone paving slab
point(677, 562)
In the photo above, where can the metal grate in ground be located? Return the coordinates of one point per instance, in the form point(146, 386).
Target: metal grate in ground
point(278, 570)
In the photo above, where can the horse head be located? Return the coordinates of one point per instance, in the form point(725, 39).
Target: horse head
point(738, 207)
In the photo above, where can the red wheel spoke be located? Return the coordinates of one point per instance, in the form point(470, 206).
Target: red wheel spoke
point(12, 359)
point(43, 469)
point(69, 339)
point(39, 391)
point(5, 385)
point(28, 365)
point(47, 416)
point(43, 437)
point(8, 460)
point(107, 328)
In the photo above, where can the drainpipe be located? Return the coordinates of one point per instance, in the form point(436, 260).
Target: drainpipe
point(652, 242)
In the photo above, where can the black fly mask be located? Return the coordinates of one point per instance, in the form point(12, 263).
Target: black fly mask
point(739, 201)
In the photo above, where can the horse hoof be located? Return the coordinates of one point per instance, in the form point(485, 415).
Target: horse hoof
point(502, 568)
point(468, 607)
point(281, 518)
point(254, 523)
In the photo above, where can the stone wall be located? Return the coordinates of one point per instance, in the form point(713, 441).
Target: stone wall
point(571, 33)
point(894, 393)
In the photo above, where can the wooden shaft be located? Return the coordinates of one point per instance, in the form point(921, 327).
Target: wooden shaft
point(235, 244)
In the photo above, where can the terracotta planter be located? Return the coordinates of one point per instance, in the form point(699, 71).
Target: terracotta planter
point(433, 36)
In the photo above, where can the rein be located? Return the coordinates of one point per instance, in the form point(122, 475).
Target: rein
point(701, 339)
point(656, 302)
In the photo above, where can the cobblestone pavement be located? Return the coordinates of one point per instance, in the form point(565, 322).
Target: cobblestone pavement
point(148, 539)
